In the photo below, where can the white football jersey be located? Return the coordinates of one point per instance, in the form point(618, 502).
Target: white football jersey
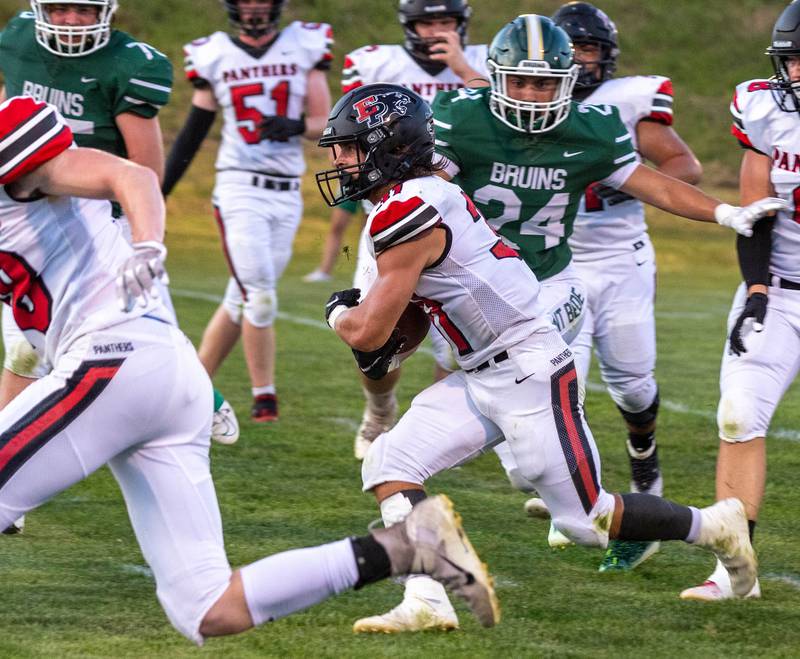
point(602, 230)
point(758, 123)
point(58, 255)
point(249, 89)
point(480, 295)
point(393, 64)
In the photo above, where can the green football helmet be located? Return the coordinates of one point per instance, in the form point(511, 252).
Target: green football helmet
point(531, 46)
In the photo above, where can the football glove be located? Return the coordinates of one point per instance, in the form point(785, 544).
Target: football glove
point(338, 303)
point(280, 129)
point(377, 363)
point(610, 195)
point(136, 277)
point(742, 218)
point(755, 309)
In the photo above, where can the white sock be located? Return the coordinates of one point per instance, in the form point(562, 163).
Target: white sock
point(291, 581)
point(379, 404)
point(260, 391)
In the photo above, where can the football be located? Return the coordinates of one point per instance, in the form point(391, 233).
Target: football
point(414, 325)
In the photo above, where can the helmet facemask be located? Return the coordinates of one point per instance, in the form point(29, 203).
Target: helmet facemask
point(606, 66)
point(261, 22)
point(530, 116)
point(73, 40)
point(786, 92)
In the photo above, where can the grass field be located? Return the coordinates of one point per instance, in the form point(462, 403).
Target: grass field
point(75, 583)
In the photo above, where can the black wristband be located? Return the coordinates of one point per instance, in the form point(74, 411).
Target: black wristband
point(198, 123)
point(754, 253)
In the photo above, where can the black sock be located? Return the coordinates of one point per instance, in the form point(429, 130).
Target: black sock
point(372, 560)
point(642, 441)
point(648, 517)
point(751, 527)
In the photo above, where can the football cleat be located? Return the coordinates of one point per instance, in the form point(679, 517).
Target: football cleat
point(556, 539)
point(316, 276)
point(372, 425)
point(413, 614)
point(723, 530)
point(717, 588)
point(265, 408)
point(225, 426)
point(536, 507)
point(432, 541)
point(15, 527)
point(645, 471)
point(625, 555)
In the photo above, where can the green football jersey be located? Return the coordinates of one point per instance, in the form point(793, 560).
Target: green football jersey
point(529, 186)
point(90, 91)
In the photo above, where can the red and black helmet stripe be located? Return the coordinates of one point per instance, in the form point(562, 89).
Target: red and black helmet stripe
point(38, 426)
point(572, 435)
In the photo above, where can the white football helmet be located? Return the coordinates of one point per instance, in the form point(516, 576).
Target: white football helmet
point(73, 40)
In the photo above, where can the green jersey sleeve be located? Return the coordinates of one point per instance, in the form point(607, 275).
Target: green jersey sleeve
point(145, 83)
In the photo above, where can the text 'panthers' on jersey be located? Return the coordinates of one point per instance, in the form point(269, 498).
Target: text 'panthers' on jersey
point(479, 294)
point(393, 63)
point(759, 124)
point(603, 230)
point(249, 88)
point(528, 187)
point(89, 91)
point(57, 254)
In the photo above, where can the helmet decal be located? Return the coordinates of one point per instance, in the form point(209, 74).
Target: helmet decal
point(372, 109)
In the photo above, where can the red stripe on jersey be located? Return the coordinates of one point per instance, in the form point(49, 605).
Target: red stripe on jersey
point(395, 212)
point(19, 115)
point(665, 88)
point(327, 56)
point(740, 135)
point(191, 74)
point(352, 86)
point(46, 421)
point(661, 117)
point(735, 101)
point(348, 62)
point(329, 33)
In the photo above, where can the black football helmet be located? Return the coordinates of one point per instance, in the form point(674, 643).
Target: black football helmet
point(393, 130)
point(260, 24)
point(410, 11)
point(585, 23)
point(785, 44)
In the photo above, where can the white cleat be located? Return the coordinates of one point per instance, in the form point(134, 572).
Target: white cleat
point(373, 425)
point(537, 508)
point(556, 539)
point(413, 614)
point(225, 426)
point(15, 527)
point(432, 541)
point(316, 276)
point(717, 588)
point(723, 530)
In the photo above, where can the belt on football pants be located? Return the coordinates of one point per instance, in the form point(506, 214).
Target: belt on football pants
point(498, 358)
point(785, 283)
point(271, 184)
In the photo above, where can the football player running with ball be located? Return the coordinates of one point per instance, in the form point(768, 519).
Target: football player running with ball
point(61, 53)
point(517, 380)
point(613, 255)
point(270, 85)
point(760, 360)
point(128, 390)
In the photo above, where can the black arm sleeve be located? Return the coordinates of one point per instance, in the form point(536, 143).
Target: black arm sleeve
point(198, 123)
point(754, 253)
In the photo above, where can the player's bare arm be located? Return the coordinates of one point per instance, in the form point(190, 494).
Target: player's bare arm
point(369, 325)
point(755, 183)
point(680, 198)
point(98, 175)
point(663, 147)
point(318, 104)
point(143, 141)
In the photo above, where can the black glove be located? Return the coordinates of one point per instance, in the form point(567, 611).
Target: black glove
point(375, 364)
point(280, 129)
point(755, 308)
point(344, 299)
point(610, 195)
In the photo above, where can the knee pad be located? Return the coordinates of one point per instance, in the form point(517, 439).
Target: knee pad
point(261, 307)
point(737, 417)
point(233, 301)
point(643, 418)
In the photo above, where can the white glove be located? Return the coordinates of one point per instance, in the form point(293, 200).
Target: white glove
point(742, 218)
point(137, 276)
